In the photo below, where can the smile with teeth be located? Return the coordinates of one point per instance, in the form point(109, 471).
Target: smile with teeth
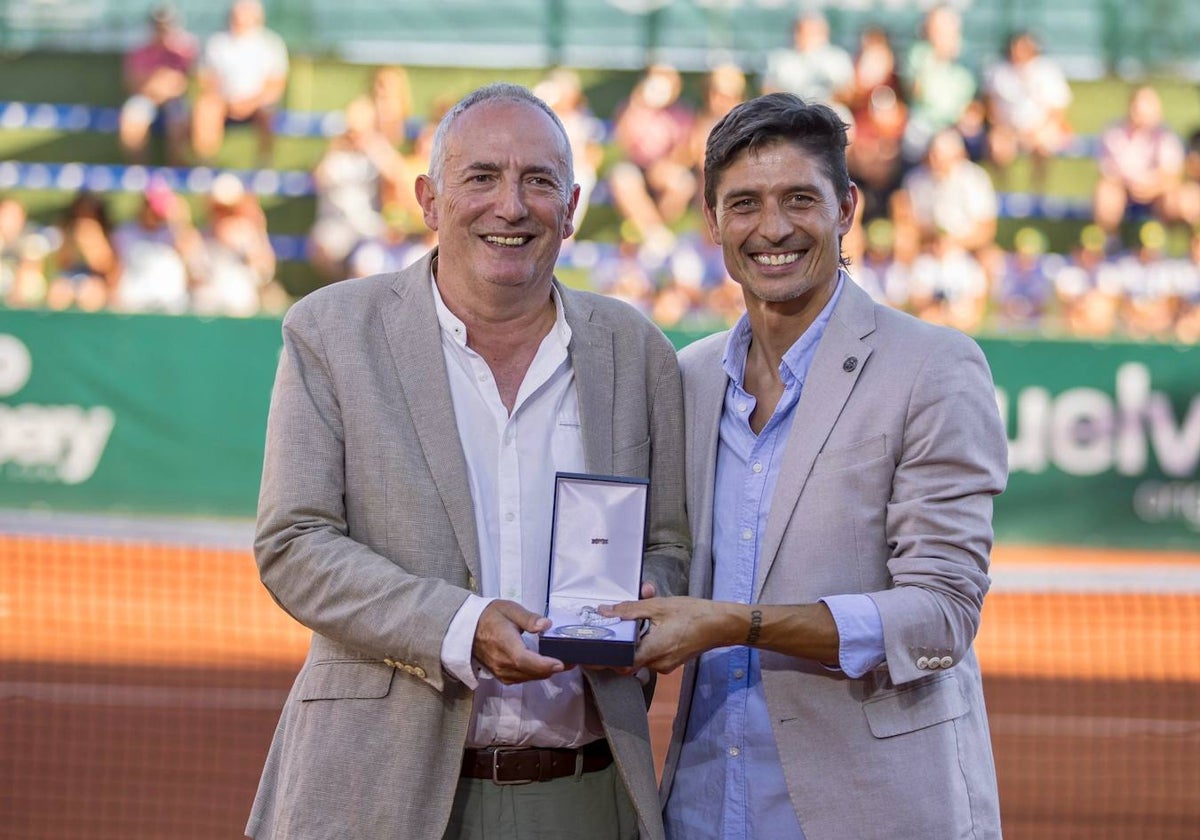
point(776, 259)
point(508, 241)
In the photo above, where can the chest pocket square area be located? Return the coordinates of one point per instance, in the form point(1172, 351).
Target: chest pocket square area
point(865, 451)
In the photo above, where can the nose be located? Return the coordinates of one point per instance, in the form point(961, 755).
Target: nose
point(510, 202)
point(773, 223)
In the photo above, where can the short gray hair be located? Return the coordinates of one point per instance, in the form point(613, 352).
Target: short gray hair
point(495, 92)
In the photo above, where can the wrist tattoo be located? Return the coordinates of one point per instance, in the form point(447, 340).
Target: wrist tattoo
point(755, 627)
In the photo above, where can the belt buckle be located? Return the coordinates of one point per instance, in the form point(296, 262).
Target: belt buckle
point(496, 753)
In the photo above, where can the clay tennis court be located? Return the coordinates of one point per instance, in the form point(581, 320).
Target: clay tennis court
point(140, 684)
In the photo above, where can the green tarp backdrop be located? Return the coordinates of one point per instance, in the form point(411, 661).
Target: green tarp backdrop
point(166, 416)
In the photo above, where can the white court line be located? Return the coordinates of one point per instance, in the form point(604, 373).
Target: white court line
point(1140, 579)
point(1087, 726)
point(233, 533)
point(262, 699)
point(145, 696)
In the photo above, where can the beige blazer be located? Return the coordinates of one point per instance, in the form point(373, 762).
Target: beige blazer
point(366, 535)
point(886, 488)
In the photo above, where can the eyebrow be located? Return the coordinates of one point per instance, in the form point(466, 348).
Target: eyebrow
point(788, 189)
point(537, 169)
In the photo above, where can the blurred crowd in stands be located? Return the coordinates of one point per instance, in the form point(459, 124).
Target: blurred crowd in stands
point(932, 145)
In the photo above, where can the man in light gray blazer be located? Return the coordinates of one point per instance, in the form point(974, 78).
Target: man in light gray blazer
point(416, 426)
point(842, 459)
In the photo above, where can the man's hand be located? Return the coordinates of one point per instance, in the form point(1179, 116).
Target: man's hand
point(498, 644)
point(681, 628)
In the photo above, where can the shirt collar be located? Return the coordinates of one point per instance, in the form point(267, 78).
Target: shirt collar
point(454, 329)
point(797, 358)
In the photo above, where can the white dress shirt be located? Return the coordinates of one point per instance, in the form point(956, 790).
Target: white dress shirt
point(511, 462)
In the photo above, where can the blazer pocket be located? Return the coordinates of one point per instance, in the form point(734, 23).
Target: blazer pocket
point(849, 456)
point(347, 680)
point(632, 460)
point(917, 707)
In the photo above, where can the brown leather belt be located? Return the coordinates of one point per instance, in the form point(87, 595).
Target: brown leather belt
point(522, 765)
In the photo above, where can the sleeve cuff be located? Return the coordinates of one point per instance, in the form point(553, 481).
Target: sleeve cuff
point(860, 633)
point(460, 640)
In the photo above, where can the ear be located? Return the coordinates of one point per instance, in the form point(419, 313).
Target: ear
point(710, 220)
point(427, 197)
point(569, 224)
point(846, 210)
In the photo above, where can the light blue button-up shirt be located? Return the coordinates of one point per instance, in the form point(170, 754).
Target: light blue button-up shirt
point(729, 782)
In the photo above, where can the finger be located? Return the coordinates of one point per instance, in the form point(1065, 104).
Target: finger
point(628, 610)
point(531, 666)
point(529, 622)
point(649, 590)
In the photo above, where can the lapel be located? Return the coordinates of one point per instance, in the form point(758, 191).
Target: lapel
point(826, 390)
point(592, 359)
point(413, 334)
point(703, 438)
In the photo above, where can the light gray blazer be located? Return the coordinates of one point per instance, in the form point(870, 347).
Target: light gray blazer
point(366, 535)
point(885, 488)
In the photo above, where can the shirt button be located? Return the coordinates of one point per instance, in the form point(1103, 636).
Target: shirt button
point(742, 407)
point(734, 752)
point(747, 534)
point(483, 377)
point(510, 516)
point(738, 674)
point(757, 468)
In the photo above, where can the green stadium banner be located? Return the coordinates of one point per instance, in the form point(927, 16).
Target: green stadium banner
point(133, 414)
point(165, 415)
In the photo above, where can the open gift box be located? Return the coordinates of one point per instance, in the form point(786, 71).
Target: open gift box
point(596, 544)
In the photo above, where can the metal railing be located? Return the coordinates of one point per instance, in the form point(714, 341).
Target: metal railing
point(1090, 37)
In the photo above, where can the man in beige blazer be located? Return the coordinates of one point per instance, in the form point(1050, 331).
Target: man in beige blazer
point(842, 459)
point(415, 428)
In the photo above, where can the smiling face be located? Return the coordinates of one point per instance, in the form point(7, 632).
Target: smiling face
point(779, 222)
point(502, 200)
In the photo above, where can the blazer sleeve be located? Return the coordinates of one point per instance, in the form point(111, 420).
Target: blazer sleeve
point(668, 541)
point(329, 582)
point(953, 461)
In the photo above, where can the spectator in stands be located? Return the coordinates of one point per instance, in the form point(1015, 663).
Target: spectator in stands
point(391, 95)
point(1186, 207)
point(813, 68)
point(1187, 323)
point(1025, 286)
point(156, 77)
point(724, 87)
point(242, 76)
point(879, 115)
point(947, 199)
point(654, 182)
point(878, 272)
point(234, 270)
point(620, 273)
point(562, 90)
point(351, 177)
point(1027, 96)
point(1088, 287)
point(23, 253)
point(948, 285)
point(154, 248)
point(401, 243)
point(1141, 164)
point(940, 88)
point(85, 263)
point(13, 220)
point(1150, 302)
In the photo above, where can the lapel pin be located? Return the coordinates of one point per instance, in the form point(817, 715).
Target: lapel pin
point(850, 364)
